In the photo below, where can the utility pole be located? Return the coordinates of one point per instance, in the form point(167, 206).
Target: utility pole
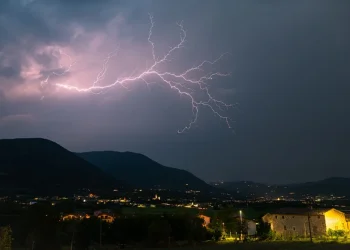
point(71, 244)
point(309, 221)
point(100, 233)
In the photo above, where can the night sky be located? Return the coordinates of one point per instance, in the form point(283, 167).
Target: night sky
point(290, 74)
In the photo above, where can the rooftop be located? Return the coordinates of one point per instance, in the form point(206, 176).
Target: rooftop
point(300, 211)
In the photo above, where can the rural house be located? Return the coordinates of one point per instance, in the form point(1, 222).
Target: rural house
point(294, 222)
point(75, 216)
point(206, 220)
point(105, 215)
point(251, 227)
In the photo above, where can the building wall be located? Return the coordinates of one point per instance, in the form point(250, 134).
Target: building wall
point(251, 227)
point(206, 220)
point(287, 226)
point(106, 218)
point(336, 220)
point(70, 217)
point(75, 217)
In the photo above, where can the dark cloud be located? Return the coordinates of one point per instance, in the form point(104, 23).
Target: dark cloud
point(290, 74)
point(8, 72)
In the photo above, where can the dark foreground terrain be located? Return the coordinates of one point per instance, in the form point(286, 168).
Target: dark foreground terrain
point(256, 246)
point(281, 246)
point(273, 246)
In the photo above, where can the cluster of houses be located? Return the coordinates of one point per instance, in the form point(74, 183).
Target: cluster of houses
point(284, 223)
point(104, 215)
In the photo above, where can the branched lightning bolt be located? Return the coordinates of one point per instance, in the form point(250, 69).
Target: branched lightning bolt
point(182, 83)
point(54, 73)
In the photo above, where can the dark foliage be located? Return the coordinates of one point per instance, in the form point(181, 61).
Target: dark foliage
point(40, 227)
point(263, 230)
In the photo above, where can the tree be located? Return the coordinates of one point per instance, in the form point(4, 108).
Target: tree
point(88, 231)
point(159, 231)
point(69, 230)
point(216, 228)
point(263, 230)
point(5, 238)
point(336, 233)
point(197, 230)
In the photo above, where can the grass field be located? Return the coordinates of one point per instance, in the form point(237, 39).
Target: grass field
point(281, 246)
point(256, 246)
point(159, 210)
point(272, 246)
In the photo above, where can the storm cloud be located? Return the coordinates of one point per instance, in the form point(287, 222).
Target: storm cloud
point(289, 64)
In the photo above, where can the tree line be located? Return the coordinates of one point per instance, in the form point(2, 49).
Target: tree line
point(40, 227)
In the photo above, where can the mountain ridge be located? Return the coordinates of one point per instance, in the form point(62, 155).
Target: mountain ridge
point(339, 186)
point(40, 165)
point(142, 171)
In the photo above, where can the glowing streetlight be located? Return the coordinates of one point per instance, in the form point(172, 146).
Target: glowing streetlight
point(240, 216)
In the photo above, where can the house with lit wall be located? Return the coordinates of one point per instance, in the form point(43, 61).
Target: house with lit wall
point(105, 215)
point(297, 222)
point(206, 220)
point(75, 216)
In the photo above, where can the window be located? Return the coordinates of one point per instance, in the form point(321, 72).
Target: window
point(318, 217)
point(282, 216)
point(285, 227)
point(293, 216)
point(293, 228)
point(276, 216)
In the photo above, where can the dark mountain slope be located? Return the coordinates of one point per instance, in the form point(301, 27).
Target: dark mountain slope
point(43, 166)
point(141, 171)
point(337, 186)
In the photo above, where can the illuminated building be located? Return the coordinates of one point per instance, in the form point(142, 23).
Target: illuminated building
point(75, 216)
point(297, 222)
point(251, 227)
point(156, 197)
point(105, 215)
point(206, 220)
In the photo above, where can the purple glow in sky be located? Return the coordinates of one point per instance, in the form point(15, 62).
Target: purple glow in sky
point(187, 83)
point(289, 71)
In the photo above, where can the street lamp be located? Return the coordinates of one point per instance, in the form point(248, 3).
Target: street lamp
point(240, 215)
point(223, 230)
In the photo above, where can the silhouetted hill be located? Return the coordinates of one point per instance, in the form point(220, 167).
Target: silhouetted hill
point(43, 166)
point(141, 171)
point(245, 188)
point(336, 186)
